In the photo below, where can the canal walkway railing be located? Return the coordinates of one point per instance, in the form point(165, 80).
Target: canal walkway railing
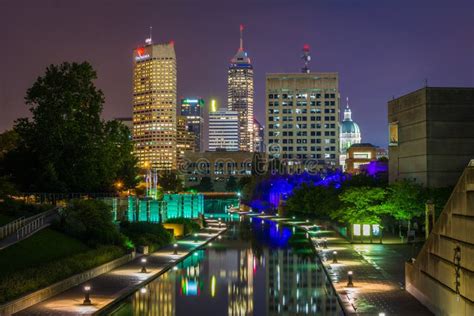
point(23, 228)
point(11, 227)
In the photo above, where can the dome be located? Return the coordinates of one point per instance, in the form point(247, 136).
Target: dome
point(349, 127)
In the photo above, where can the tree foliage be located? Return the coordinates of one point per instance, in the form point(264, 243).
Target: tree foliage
point(361, 205)
point(317, 201)
point(169, 181)
point(405, 200)
point(231, 185)
point(66, 146)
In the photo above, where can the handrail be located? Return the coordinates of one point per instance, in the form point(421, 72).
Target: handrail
point(11, 227)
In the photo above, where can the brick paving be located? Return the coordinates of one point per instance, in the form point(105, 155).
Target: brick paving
point(122, 281)
point(375, 290)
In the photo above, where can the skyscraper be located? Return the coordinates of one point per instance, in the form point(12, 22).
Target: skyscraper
point(223, 130)
point(240, 95)
point(191, 109)
point(154, 105)
point(185, 140)
point(258, 136)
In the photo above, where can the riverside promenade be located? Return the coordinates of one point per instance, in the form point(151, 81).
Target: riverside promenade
point(124, 280)
point(374, 291)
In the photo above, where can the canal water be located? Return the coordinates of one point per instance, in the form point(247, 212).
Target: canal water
point(257, 268)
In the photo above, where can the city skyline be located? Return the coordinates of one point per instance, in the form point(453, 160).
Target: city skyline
point(393, 60)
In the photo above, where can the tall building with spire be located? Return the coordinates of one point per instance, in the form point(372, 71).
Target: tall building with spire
point(154, 105)
point(240, 95)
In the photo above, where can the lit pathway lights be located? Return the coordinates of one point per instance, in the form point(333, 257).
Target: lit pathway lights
point(220, 222)
point(143, 290)
point(349, 279)
point(195, 237)
point(381, 314)
point(143, 261)
point(87, 291)
point(334, 257)
point(175, 249)
point(220, 237)
point(325, 243)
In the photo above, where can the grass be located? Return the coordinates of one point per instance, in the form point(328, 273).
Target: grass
point(43, 247)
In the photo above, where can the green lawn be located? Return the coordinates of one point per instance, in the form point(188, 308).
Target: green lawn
point(45, 246)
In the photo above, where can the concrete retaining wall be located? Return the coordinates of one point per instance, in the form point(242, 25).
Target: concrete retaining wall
point(61, 286)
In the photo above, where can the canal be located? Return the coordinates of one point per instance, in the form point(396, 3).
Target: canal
point(257, 268)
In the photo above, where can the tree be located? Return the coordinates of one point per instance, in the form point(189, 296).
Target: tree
point(361, 205)
point(204, 186)
point(169, 181)
point(405, 201)
point(66, 147)
point(91, 221)
point(231, 185)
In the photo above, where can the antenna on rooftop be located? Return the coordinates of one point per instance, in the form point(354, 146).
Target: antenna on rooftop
point(149, 40)
point(306, 58)
point(241, 37)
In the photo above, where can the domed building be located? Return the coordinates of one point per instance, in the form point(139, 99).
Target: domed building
point(349, 134)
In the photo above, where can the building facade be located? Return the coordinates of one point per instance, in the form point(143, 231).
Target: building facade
point(223, 130)
point(154, 105)
point(358, 155)
point(258, 137)
point(302, 118)
point(240, 95)
point(431, 135)
point(185, 140)
point(349, 134)
point(218, 166)
point(192, 110)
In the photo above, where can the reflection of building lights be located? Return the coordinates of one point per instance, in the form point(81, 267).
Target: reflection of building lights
point(213, 286)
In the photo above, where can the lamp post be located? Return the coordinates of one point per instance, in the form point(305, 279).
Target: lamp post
point(143, 261)
point(334, 257)
point(175, 249)
point(349, 279)
point(87, 290)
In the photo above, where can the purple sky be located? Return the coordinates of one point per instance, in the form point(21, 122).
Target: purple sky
point(380, 48)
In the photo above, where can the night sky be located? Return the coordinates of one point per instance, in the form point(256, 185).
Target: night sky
point(380, 48)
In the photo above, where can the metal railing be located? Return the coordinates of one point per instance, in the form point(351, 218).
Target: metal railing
point(30, 228)
point(11, 227)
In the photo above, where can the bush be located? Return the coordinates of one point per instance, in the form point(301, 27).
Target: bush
point(146, 234)
point(15, 208)
point(22, 282)
point(190, 226)
point(92, 222)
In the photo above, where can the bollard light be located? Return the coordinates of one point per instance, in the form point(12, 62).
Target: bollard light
point(220, 237)
point(143, 261)
point(325, 243)
point(175, 251)
point(381, 314)
point(175, 268)
point(195, 237)
point(87, 290)
point(334, 257)
point(143, 290)
point(307, 220)
point(293, 217)
point(210, 244)
point(349, 279)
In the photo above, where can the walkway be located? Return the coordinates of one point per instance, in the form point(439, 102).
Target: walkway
point(375, 290)
point(120, 282)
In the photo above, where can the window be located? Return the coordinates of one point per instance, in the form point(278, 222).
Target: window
point(393, 134)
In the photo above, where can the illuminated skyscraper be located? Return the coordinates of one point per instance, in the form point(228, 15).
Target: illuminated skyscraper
point(258, 136)
point(185, 140)
point(223, 130)
point(191, 109)
point(240, 95)
point(154, 105)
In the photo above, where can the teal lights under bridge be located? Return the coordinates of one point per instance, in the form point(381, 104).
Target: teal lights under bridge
point(135, 209)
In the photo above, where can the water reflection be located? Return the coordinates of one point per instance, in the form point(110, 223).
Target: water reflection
point(258, 268)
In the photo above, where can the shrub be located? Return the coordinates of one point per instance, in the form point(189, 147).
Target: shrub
point(22, 282)
point(92, 222)
point(146, 234)
point(190, 226)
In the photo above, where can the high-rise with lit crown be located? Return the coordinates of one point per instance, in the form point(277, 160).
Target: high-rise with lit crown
point(240, 95)
point(154, 105)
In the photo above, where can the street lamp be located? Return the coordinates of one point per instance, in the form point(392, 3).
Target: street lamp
point(334, 256)
point(87, 290)
point(349, 279)
point(143, 261)
point(175, 247)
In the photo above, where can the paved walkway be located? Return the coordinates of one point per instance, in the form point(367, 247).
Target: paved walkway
point(375, 290)
point(123, 280)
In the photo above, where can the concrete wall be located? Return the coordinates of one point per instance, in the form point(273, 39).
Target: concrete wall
point(436, 135)
point(61, 286)
point(432, 277)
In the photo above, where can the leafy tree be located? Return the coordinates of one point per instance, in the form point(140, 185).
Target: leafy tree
point(317, 201)
point(66, 147)
point(169, 181)
point(405, 201)
point(204, 186)
point(232, 185)
point(91, 221)
point(361, 205)
point(8, 142)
